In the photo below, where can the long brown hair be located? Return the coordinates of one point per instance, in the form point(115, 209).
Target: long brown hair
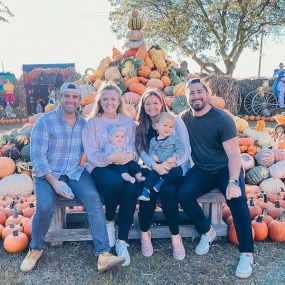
point(144, 120)
point(98, 110)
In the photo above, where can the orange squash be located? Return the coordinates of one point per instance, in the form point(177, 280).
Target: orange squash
point(16, 242)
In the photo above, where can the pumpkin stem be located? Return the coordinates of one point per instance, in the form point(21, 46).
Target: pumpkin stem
point(15, 233)
point(281, 217)
point(12, 205)
point(264, 212)
point(265, 198)
point(15, 212)
point(277, 204)
point(251, 202)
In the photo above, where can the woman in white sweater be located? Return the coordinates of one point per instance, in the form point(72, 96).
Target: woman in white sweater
point(108, 113)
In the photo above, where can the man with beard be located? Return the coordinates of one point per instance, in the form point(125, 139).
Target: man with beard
point(56, 151)
point(216, 155)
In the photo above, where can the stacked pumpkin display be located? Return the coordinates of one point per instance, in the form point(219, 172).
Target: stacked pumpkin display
point(139, 68)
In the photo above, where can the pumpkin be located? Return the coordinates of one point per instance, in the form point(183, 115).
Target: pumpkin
point(141, 52)
point(16, 185)
point(271, 185)
point(226, 212)
point(112, 73)
point(131, 110)
point(10, 229)
point(154, 74)
point(144, 71)
point(246, 117)
point(87, 109)
point(260, 126)
point(265, 157)
point(131, 97)
point(180, 104)
point(28, 229)
point(26, 153)
point(7, 167)
point(135, 22)
point(157, 59)
point(128, 68)
point(14, 219)
point(137, 88)
point(252, 118)
point(89, 99)
point(275, 211)
point(29, 212)
point(179, 89)
point(97, 83)
point(103, 65)
point(241, 124)
point(1, 229)
point(229, 220)
point(246, 141)
point(263, 202)
point(49, 107)
point(134, 35)
point(256, 175)
point(16, 242)
point(13, 153)
point(143, 80)
point(232, 236)
point(254, 209)
point(276, 170)
point(116, 54)
point(247, 161)
point(168, 90)
point(20, 141)
point(260, 229)
point(2, 218)
point(266, 218)
point(129, 81)
point(134, 44)
point(165, 80)
point(130, 53)
point(278, 155)
point(276, 229)
point(217, 102)
point(252, 150)
point(155, 83)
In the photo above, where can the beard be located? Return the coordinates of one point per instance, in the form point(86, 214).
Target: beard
point(198, 106)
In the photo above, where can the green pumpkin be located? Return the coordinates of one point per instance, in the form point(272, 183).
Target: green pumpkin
point(12, 153)
point(21, 141)
point(256, 175)
point(5, 138)
point(26, 153)
point(180, 104)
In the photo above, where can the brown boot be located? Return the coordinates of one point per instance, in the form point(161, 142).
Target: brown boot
point(31, 260)
point(107, 261)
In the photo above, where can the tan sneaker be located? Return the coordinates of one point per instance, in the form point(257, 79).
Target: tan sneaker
point(107, 261)
point(31, 260)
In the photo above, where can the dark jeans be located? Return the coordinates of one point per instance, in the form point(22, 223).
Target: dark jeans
point(197, 183)
point(169, 205)
point(116, 192)
point(131, 167)
point(84, 190)
point(173, 176)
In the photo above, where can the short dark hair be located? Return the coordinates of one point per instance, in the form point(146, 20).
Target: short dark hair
point(196, 80)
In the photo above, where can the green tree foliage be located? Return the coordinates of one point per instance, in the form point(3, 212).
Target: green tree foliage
point(5, 13)
point(207, 30)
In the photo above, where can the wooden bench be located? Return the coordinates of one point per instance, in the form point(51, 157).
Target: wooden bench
point(211, 204)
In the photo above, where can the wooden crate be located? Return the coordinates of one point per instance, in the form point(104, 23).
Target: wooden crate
point(211, 204)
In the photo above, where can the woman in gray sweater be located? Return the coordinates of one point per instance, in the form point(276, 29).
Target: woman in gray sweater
point(109, 112)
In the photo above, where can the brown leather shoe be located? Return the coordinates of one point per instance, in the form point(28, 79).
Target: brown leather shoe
point(107, 261)
point(31, 260)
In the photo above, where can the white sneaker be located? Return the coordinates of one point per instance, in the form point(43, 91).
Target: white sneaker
point(244, 268)
point(204, 244)
point(111, 233)
point(122, 250)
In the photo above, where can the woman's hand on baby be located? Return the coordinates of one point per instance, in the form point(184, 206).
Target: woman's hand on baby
point(121, 157)
point(161, 169)
point(155, 158)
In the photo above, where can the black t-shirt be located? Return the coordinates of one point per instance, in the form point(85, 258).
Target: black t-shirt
point(207, 133)
point(151, 133)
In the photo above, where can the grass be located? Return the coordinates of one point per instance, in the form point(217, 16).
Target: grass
point(74, 263)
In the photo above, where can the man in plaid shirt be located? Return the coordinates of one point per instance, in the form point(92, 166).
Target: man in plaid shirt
point(56, 151)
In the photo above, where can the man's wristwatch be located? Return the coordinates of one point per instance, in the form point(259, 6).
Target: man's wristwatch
point(234, 181)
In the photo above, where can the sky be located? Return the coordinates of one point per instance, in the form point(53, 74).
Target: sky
point(72, 31)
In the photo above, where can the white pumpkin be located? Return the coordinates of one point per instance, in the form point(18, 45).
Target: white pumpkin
point(265, 157)
point(16, 185)
point(272, 185)
point(86, 90)
point(277, 170)
point(112, 73)
point(247, 161)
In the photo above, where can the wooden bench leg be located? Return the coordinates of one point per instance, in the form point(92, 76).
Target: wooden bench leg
point(58, 222)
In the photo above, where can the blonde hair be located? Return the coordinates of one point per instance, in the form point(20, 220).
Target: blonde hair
point(164, 115)
point(107, 85)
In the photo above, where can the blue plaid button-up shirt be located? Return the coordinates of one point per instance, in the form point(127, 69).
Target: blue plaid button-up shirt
point(56, 147)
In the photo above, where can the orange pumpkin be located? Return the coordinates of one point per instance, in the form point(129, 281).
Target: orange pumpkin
point(129, 81)
point(260, 229)
point(148, 62)
point(28, 229)
point(137, 88)
point(1, 229)
point(131, 110)
point(29, 212)
point(131, 97)
point(166, 80)
point(144, 71)
point(9, 229)
point(7, 166)
point(2, 218)
point(217, 102)
point(154, 74)
point(232, 236)
point(155, 83)
point(141, 52)
point(276, 229)
point(16, 242)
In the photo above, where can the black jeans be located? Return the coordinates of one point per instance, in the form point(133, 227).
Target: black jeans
point(169, 205)
point(131, 167)
point(116, 192)
point(173, 176)
point(197, 183)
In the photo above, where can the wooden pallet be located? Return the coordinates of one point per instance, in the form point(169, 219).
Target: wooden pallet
point(211, 204)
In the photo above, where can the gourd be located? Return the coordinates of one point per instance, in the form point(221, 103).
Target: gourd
point(157, 59)
point(247, 161)
point(103, 65)
point(272, 186)
point(155, 83)
point(180, 104)
point(265, 157)
point(179, 89)
point(256, 175)
point(16, 242)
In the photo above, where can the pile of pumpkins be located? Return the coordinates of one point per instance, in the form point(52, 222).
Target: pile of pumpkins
point(16, 222)
point(137, 69)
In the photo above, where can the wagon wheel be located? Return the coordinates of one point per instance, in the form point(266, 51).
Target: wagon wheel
point(247, 102)
point(263, 102)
